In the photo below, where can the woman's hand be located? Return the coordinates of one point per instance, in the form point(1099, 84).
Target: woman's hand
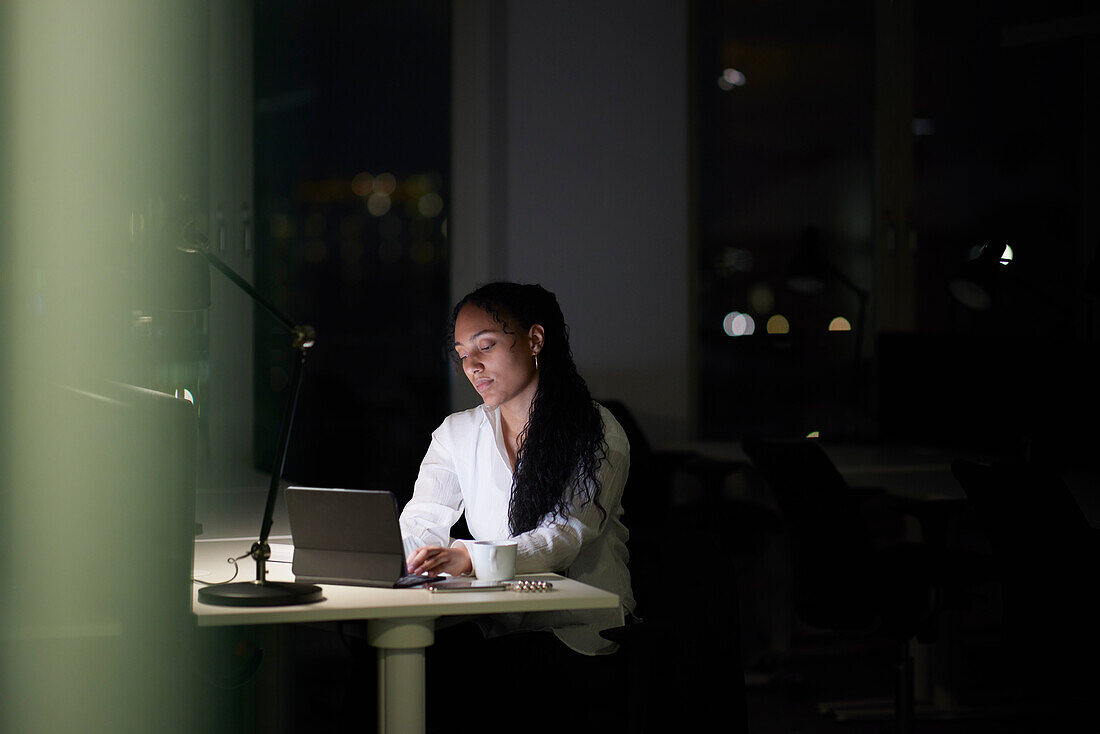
point(434, 560)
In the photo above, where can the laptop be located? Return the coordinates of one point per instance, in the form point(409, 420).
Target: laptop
point(349, 537)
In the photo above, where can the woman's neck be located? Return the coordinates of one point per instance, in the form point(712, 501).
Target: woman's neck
point(514, 416)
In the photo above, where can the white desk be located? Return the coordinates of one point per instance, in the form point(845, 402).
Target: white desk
point(400, 622)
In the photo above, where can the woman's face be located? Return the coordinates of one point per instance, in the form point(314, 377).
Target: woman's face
point(500, 366)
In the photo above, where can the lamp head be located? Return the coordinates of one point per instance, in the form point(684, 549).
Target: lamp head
point(975, 286)
point(304, 337)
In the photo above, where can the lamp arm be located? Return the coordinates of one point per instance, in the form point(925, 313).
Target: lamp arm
point(245, 286)
point(847, 282)
point(261, 551)
point(284, 441)
point(261, 592)
point(304, 337)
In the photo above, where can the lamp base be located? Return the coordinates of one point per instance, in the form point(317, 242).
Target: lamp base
point(260, 594)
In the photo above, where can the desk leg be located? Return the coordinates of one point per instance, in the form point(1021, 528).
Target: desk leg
point(401, 684)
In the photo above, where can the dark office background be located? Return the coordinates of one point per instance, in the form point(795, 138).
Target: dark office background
point(354, 98)
point(1001, 153)
point(352, 150)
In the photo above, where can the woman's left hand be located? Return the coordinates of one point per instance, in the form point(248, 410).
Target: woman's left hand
point(435, 560)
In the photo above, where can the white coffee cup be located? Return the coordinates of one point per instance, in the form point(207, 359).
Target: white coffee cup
point(494, 560)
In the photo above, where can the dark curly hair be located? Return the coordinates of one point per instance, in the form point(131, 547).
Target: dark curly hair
point(562, 446)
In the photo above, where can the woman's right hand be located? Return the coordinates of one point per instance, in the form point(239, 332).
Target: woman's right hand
point(434, 560)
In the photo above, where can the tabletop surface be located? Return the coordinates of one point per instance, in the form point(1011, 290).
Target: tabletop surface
point(356, 602)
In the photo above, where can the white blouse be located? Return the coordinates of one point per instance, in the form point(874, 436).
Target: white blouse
point(466, 469)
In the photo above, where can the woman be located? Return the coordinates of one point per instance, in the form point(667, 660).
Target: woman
point(539, 462)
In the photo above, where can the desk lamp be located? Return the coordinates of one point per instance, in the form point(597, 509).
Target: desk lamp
point(975, 285)
point(979, 282)
point(261, 592)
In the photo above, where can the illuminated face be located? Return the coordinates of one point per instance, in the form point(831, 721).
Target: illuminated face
point(500, 366)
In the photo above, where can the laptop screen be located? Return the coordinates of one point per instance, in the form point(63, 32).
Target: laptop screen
point(345, 536)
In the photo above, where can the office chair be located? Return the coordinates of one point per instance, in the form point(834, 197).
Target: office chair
point(841, 582)
point(737, 523)
point(670, 653)
point(1045, 554)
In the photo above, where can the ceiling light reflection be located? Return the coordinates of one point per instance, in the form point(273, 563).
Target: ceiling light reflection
point(736, 323)
point(378, 204)
point(778, 324)
point(730, 78)
point(384, 184)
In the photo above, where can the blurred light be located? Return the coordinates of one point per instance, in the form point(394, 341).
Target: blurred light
point(738, 324)
point(729, 79)
point(430, 204)
point(186, 395)
point(813, 434)
point(416, 185)
point(727, 322)
point(384, 184)
point(840, 324)
point(761, 298)
point(744, 324)
point(362, 184)
point(421, 183)
point(778, 324)
point(378, 204)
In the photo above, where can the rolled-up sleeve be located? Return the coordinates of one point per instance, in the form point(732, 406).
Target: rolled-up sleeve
point(555, 543)
point(436, 503)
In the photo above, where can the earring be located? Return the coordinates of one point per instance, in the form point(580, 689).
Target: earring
point(536, 361)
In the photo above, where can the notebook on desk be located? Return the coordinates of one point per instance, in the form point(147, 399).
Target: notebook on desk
point(346, 536)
